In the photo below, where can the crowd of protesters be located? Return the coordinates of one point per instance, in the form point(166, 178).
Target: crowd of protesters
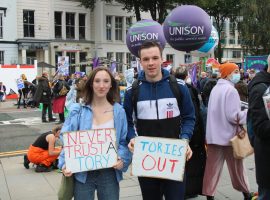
point(214, 106)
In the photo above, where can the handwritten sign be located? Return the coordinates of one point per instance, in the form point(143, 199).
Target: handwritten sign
point(20, 84)
point(159, 157)
point(90, 149)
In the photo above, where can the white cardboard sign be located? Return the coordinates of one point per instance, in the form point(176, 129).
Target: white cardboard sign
point(90, 150)
point(159, 157)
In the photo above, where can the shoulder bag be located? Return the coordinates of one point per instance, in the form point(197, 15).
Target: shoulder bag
point(240, 142)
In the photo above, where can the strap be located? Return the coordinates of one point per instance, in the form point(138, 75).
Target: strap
point(175, 90)
point(135, 92)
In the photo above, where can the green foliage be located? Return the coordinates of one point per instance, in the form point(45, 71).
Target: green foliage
point(255, 27)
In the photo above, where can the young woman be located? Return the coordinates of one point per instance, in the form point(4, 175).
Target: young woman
point(43, 152)
point(99, 110)
point(60, 98)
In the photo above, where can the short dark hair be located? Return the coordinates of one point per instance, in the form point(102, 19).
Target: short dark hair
point(88, 87)
point(181, 73)
point(149, 44)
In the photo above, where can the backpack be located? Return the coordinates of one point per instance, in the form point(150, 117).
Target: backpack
point(250, 129)
point(173, 85)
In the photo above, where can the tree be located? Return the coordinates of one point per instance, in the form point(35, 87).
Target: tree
point(221, 10)
point(255, 27)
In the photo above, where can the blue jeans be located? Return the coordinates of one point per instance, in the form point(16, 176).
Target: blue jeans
point(103, 180)
point(264, 193)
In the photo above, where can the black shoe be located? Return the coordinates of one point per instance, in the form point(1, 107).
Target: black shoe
point(42, 168)
point(52, 120)
point(247, 196)
point(26, 162)
point(190, 196)
point(210, 198)
point(55, 164)
point(44, 121)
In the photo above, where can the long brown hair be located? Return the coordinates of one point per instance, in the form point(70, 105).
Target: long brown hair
point(88, 87)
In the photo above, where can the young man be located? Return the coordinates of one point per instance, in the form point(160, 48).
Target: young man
point(155, 99)
point(261, 128)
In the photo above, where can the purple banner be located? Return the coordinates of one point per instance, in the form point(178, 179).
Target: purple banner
point(255, 62)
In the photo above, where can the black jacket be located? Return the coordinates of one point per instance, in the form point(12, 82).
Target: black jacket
point(261, 127)
point(58, 86)
point(43, 93)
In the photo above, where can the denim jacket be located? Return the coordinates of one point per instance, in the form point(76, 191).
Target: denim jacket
point(81, 117)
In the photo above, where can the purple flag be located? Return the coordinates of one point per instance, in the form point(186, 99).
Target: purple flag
point(95, 62)
point(113, 67)
point(194, 76)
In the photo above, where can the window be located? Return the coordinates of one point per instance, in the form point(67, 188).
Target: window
point(70, 25)
point(108, 28)
point(170, 58)
point(236, 54)
point(232, 41)
point(128, 23)
point(187, 58)
point(119, 62)
point(28, 23)
point(71, 56)
point(1, 25)
point(1, 57)
point(81, 26)
point(128, 58)
point(58, 24)
point(109, 56)
point(83, 56)
point(30, 57)
point(57, 54)
point(118, 28)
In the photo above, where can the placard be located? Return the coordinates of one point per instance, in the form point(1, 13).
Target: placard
point(159, 158)
point(90, 150)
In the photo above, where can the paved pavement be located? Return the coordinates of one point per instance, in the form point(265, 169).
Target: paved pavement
point(18, 183)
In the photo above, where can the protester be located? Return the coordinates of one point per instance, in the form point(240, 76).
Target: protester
point(2, 91)
point(43, 152)
point(23, 92)
point(242, 89)
point(224, 109)
point(44, 95)
point(98, 112)
point(154, 94)
point(261, 127)
point(59, 97)
point(196, 165)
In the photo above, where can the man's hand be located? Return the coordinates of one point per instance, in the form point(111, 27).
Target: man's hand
point(66, 172)
point(119, 165)
point(189, 153)
point(131, 145)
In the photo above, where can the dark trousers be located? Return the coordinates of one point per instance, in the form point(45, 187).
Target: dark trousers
point(22, 96)
point(61, 117)
point(44, 111)
point(155, 189)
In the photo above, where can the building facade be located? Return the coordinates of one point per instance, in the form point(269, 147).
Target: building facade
point(45, 30)
point(8, 32)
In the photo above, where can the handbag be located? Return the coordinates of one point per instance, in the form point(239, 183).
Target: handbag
point(65, 191)
point(63, 91)
point(240, 142)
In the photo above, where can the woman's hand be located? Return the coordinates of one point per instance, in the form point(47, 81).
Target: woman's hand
point(189, 153)
point(66, 172)
point(119, 164)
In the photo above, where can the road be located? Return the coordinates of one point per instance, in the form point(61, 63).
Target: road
point(19, 127)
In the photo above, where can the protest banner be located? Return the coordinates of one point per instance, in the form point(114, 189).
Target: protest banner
point(20, 84)
point(90, 149)
point(63, 65)
point(159, 157)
